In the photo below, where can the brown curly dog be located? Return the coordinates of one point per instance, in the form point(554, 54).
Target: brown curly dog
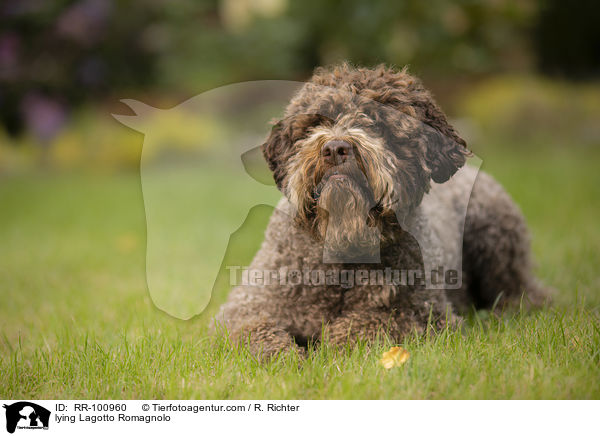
point(377, 199)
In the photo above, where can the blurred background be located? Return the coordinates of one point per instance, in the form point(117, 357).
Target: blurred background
point(522, 71)
point(519, 79)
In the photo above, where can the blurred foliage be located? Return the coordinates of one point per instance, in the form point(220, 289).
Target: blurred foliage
point(529, 110)
point(61, 61)
point(91, 140)
point(57, 55)
point(508, 110)
point(287, 39)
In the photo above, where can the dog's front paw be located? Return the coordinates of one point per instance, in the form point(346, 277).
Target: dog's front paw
point(266, 341)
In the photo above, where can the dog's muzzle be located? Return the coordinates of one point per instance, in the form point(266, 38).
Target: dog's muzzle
point(344, 200)
point(336, 152)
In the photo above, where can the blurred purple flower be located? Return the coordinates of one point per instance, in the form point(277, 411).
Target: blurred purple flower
point(43, 116)
point(84, 21)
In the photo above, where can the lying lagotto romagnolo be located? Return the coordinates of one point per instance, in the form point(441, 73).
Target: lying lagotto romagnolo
point(375, 187)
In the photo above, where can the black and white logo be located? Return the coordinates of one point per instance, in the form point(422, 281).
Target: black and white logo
point(26, 415)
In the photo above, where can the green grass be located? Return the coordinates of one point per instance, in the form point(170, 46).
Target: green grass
point(76, 319)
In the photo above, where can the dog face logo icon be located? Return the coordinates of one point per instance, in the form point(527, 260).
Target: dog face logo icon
point(26, 415)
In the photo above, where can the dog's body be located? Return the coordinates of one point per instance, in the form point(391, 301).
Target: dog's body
point(361, 150)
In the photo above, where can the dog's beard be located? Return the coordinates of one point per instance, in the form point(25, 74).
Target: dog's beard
point(343, 218)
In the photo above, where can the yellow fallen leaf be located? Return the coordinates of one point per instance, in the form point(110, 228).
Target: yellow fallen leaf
point(395, 357)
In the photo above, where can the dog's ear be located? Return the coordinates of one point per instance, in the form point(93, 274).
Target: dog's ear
point(445, 154)
point(274, 151)
point(446, 151)
point(280, 144)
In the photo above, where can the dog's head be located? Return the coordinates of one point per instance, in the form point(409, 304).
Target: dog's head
point(362, 145)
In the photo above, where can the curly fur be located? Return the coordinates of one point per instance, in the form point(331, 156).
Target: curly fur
point(406, 177)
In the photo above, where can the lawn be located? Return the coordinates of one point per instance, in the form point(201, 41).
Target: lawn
point(76, 319)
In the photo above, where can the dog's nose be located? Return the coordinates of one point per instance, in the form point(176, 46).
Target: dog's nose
point(336, 152)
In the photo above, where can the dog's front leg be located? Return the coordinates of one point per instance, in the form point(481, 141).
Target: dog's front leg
point(265, 340)
point(367, 325)
point(249, 322)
